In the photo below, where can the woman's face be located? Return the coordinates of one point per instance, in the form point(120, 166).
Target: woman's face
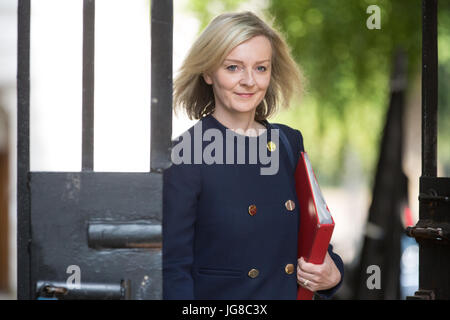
point(241, 82)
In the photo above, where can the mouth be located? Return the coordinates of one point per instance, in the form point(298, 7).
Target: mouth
point(245, 95)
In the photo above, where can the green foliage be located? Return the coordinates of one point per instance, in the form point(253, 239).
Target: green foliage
point(206, 10)
point(348, 68)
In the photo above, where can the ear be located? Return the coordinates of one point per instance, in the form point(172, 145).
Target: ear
point(207, 78)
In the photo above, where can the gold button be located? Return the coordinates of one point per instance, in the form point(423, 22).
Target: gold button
point(253, 273)
point(271, 146)
point(252, 210)
point(290, 205)
point(289, 268)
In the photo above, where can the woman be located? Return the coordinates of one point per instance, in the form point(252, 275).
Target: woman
point(230, 212)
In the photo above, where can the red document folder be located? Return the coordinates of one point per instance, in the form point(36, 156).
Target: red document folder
point(316, 222)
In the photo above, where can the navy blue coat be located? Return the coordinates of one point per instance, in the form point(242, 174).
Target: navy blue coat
point(213, 248)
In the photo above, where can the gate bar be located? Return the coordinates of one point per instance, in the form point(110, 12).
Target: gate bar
point(161, 84)
point(23, 151)
point(88, 85)
point(429, 87)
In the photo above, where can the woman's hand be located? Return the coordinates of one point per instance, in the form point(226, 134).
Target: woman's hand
point(316, 277)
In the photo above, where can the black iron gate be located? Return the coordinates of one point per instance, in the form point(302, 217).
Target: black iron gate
point(94, 235)
point(432, 232)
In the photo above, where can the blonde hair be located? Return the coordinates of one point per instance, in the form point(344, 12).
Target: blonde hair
point(208, 52)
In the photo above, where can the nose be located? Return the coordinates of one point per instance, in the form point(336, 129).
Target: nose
point(247, 78)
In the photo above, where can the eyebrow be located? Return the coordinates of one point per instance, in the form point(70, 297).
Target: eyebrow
point(234, 60)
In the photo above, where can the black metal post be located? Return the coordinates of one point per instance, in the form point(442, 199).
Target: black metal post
point(161, 84)
point(23, 151)
point(432, 231)
point(429, 88)
point(88, 85)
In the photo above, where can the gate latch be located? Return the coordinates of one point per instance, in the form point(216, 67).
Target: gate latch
point(430, 230)
point(433, 196)
point(85, 291)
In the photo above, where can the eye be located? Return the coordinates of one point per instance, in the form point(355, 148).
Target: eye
point(262, 68)
point(232, 67)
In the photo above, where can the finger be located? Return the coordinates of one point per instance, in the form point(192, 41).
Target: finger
point(303, 271)
point(307, 266)
point(307, 276)
point(310, 268)
point(307, 284)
